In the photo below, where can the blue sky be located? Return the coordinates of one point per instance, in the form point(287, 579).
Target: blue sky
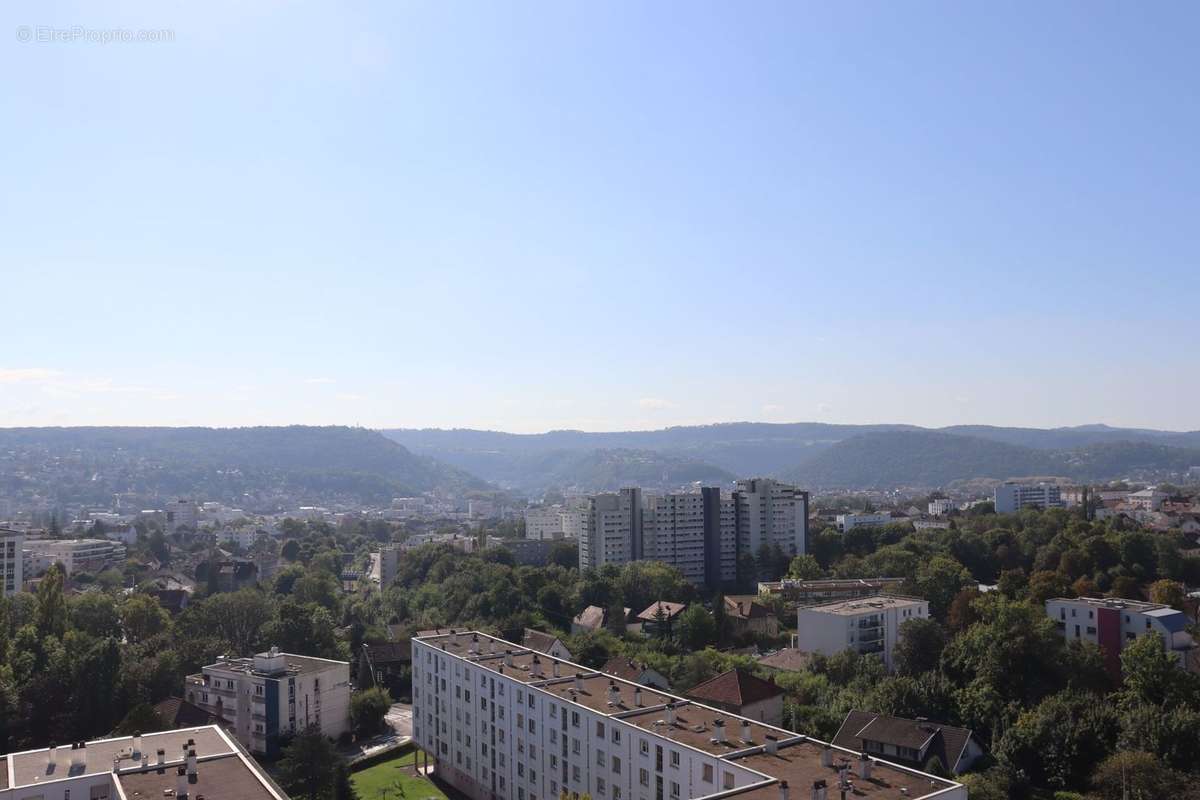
point(601, 215)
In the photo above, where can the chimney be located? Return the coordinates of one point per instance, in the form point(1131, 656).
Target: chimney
point(826, 756)
point(50, 756)
point(191, 766)
point(579, 681)
point(162, 756)
point(535, 667)
point(637, 696)
point(771, 745)
point(491, 646)
point(818, 790)
point(614, 694)
point(508, 658)
point(78, 754)
point(746, 731)
point(719, 731)
point(554, 666)
point(137, 745)
point(864, 766)
point(670, 714)
point(784, 792)
point(181, 784)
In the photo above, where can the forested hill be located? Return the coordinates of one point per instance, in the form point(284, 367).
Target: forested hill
point(252, 467)
point(850, 456)
point(928, 458)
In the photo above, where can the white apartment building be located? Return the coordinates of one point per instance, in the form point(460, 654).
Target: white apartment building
point(274, 694)
point(389, 564)
point(244, 538)
point(1010, 497)
point(848, 522)
point(866, 624)
point(184, 764)
point(612, 529)
point(501, 722)
point(76, 555)
point(1111, 623)
point(673, 533)
point(544, 522)
point(573, 521)
point(182, 513)
point(1148, 499)
point(773, 513)
point(12, 574)
point(941, 506)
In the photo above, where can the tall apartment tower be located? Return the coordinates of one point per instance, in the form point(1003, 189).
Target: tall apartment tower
point(10, 562)
point(771, 513)
point(612, 529)
point(674, 532)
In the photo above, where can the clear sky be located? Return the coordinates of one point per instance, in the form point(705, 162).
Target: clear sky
point(601, 215)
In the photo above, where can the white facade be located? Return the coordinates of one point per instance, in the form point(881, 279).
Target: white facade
point(544, 522)
point(848, 522)
point(86, 555)
point(866, 625)
point(612, 529)
point(182, 513)
point(11, 562)
point(244, 538)
point(940, 506)
point(274, 694)
point(1011, 497)
point(1112, 623)
point(503, 723)
point(772, 513)
point(673, 533)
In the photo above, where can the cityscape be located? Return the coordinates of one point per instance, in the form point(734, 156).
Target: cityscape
point(599, 401)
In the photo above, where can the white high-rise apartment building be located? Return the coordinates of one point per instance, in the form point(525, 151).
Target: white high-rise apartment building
point(1010, 497)
point(866, 625)
point(612, 529)
point(941, 505)
point(182, 514)
point(772, 513)
point(501, 722)
point(673, 532)
point(11, 560)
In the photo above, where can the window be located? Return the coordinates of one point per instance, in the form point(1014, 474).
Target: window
point(600, 787)
point(616, 765)
point(616, 735)
point(599, 729)
point(707, 773)
point(599, 758)
point(727, 777)
point(575, 746)
point(643, 777)
point(575, 714)
point(674, 789)
point(675, 759)
point(644, 747)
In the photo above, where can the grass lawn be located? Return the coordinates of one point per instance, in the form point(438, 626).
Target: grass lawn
point(380, 781)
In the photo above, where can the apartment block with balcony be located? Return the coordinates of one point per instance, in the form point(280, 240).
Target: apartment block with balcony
point(866, 625)
point(11, 562)
point(1112, 623)
point(500, 722)
point(273, 695)
point(1012, 497)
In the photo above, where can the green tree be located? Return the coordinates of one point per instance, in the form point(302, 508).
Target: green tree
point(939, 580)
point(1135, 775)
point(142, 617)
point(95, 614)
point(368, 708)
point(343, 787)
point(308, 765)
point(1168, 593)
point(805, 567)
point(1060, 741)
point(696, 628)
point(51, 614)
point(919, 646)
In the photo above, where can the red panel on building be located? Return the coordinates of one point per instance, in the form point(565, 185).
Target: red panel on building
point(1108, 630)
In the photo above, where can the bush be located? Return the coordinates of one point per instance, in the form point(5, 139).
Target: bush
point(368, 707)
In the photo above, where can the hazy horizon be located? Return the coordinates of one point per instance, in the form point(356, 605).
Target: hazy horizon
point(619, 216)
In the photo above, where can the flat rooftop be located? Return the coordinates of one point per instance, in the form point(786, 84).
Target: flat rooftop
point(224, 777)
point(1140, 606)
point(800, 765)
point(797, 759)
point(865, 605)
point(296, 665)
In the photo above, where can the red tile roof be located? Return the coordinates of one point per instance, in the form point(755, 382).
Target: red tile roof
point(734, 689)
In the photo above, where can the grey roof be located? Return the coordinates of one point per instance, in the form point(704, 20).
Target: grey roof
point(946, 742)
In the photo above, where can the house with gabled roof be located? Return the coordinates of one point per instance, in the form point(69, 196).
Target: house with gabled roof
point(546, 643)
point(928, 746)
point(632, 671)
point(743, 693)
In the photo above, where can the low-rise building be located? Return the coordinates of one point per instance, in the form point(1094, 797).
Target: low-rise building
point(739, 692)
point(1148, 499)
point(77, 555)
point(273, 695)
point(787, 659)
point(1012, 497)
point(940, 506)
point(802, 592)
point(659, 618)
point(546, 643)
point(866, 625)
point(928, 746)
point(747, 616)
point(185, 764)
point(1111, 623)
point(848, 522)
point(593, 618)
point(634, 672)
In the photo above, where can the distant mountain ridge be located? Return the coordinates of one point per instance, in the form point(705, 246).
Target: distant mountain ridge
point(235, 465)
point(826, 455)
